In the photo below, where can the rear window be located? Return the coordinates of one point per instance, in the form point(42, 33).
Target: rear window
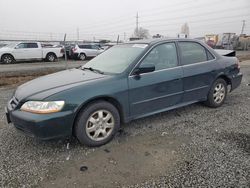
point(84, 46)
point(192, 52)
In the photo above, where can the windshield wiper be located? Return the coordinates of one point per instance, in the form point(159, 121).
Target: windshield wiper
point(92, 69)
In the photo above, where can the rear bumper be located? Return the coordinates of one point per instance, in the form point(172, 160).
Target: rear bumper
point(236, 81)
point(41, 126)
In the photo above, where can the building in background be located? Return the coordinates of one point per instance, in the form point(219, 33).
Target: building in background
point(184, 31)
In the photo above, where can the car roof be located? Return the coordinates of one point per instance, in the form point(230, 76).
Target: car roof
point(155, 41)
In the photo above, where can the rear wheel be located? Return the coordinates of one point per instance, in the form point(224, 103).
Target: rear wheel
point(51, 57)
point(97, 124)
point(82, 57)
point(7, 59)
point(217, 93)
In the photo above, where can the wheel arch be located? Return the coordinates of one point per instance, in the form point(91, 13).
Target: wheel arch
point(51, 53)
point(109, 99)
point(7, 54)
point(226, 78)
point(83, 53)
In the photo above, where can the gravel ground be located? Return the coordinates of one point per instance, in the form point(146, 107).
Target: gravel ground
point(194, 146)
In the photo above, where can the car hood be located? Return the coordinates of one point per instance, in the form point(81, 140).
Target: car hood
point(56, 82)
point(5, 49)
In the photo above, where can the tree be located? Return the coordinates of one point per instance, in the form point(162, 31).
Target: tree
point(142, 33)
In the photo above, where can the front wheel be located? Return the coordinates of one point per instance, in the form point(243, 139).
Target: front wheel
point(217, 93)
point(97, 124)
point(7, 59)
point(82, 57)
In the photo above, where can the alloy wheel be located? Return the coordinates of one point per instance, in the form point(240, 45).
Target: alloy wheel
point(7, 59)
point(82, 57)
point(100, 125)
point(51, 58)
point(219, 93)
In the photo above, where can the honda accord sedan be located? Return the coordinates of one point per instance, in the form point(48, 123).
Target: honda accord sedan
point(126, 82)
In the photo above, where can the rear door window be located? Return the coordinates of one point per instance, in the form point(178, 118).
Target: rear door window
point(95, 47)
point(32, 45)
point(85, 46)
point(192, 52)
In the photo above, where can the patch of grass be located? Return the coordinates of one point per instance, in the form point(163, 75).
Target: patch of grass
point(15, 80)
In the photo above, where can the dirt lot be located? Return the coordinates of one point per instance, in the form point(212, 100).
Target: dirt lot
point(189, 147)
point(16, 74)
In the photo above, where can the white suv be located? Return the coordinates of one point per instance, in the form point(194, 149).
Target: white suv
point(83, 51)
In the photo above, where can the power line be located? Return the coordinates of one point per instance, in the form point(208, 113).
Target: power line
point(200, 14)
point(116, 24)
point(197, 21)
point(115, 28)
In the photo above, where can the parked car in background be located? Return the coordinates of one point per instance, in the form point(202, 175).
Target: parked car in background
point(2, 45)
point(46, 45)
point(68, 49)
point(126, 82)
point(107, 46)
point(84, 51)
point(27, 51)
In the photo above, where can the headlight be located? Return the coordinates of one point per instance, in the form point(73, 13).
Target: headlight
point(41, 107)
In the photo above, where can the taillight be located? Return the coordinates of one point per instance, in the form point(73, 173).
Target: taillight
point(62, 51)
point(74, 49)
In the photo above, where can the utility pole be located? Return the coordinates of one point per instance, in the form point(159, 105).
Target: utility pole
point(77, 33)
point(65, 54)
point(243, 26)
point(118, 38)
point(124, 37)
point(137, 23)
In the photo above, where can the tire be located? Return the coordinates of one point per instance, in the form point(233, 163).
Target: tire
point(51, 57)
point(97, 124)
point(82, 57)
point(217, 93)
point(7, 59)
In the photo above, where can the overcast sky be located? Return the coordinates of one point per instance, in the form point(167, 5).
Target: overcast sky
point(101, 19)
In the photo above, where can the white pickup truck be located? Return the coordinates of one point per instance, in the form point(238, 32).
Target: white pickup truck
point(27, 51)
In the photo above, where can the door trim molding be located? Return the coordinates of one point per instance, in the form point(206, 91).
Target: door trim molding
point(156, 98)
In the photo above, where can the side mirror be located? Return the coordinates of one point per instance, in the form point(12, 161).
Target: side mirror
point(145, 68)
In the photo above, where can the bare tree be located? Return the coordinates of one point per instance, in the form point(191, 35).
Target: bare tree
point(142, 33)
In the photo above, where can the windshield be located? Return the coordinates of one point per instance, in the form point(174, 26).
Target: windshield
point(116, 59)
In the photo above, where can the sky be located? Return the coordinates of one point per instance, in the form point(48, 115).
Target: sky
point(106, 19)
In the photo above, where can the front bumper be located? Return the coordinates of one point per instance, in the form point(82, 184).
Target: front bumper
point(236, 80)
point(42, 126)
